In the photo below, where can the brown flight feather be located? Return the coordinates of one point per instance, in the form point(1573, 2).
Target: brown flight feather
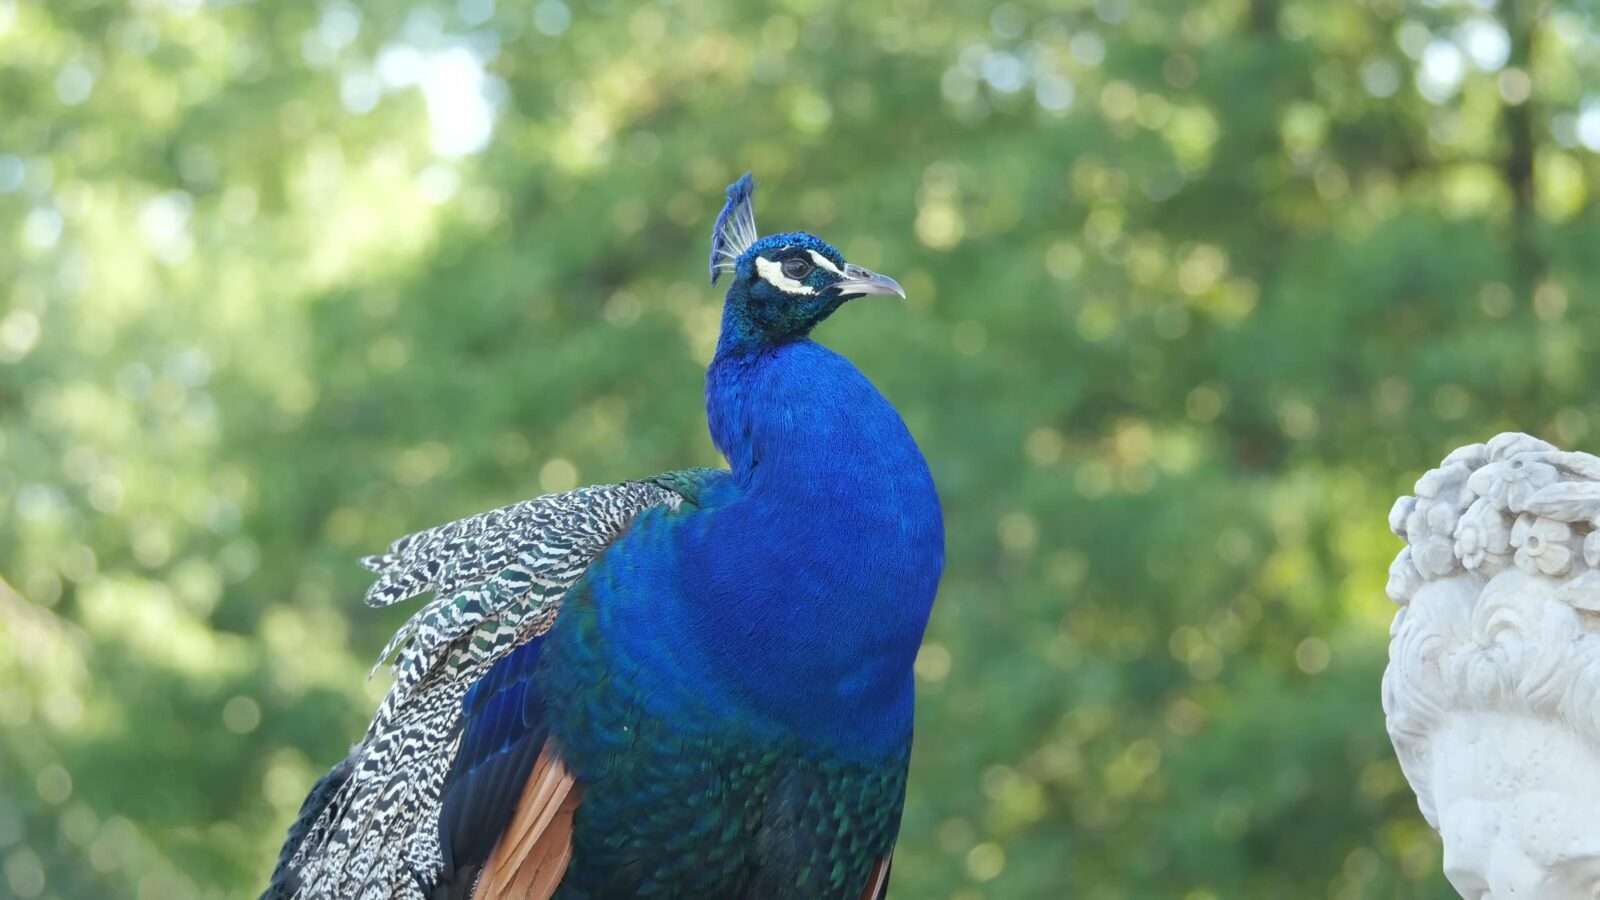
point(532, 854)
point(878, 883)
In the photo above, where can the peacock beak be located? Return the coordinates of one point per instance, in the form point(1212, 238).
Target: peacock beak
point(858, 282)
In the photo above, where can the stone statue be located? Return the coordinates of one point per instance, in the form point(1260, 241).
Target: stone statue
point(1492, 694)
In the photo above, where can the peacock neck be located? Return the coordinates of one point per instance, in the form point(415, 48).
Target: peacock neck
point(730, 378)
point(796, 418)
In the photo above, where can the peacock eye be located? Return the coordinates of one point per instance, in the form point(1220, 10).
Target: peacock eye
point(796, 268)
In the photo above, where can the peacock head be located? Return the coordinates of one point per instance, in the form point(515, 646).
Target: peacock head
point(783, 284)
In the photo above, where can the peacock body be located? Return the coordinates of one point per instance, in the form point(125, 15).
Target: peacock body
point(697, 685)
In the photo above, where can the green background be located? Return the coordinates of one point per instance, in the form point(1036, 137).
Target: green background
point(1196, 288)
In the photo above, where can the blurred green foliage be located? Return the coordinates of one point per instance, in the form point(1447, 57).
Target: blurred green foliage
point(1195, 288)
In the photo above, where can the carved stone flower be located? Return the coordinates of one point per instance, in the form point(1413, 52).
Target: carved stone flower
point(1482, 534)
point(1441, 519)
point(1510, 484)
point(1429, 519)
point(1434, 557)
point(1443, 480)
point(1542, 545)
point(1523, 478)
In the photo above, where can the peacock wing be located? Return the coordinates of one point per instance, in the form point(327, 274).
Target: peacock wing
point(380, 825)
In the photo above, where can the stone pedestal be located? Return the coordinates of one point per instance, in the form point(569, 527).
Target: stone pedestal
point(1492, 694)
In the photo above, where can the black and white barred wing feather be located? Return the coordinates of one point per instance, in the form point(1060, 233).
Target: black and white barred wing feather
point(370, 828)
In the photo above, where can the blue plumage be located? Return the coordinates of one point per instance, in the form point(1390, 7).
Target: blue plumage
point(722, 707)
point(829, 558)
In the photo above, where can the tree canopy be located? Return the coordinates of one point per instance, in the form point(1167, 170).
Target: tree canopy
point(1196, 288)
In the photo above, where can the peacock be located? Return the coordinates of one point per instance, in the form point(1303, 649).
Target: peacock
point(697, 685)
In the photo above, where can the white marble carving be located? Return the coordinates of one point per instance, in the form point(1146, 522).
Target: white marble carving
point(1492, 694)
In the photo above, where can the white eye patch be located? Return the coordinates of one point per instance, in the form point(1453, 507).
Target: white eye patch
point(772, 273)
point(824, 263)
